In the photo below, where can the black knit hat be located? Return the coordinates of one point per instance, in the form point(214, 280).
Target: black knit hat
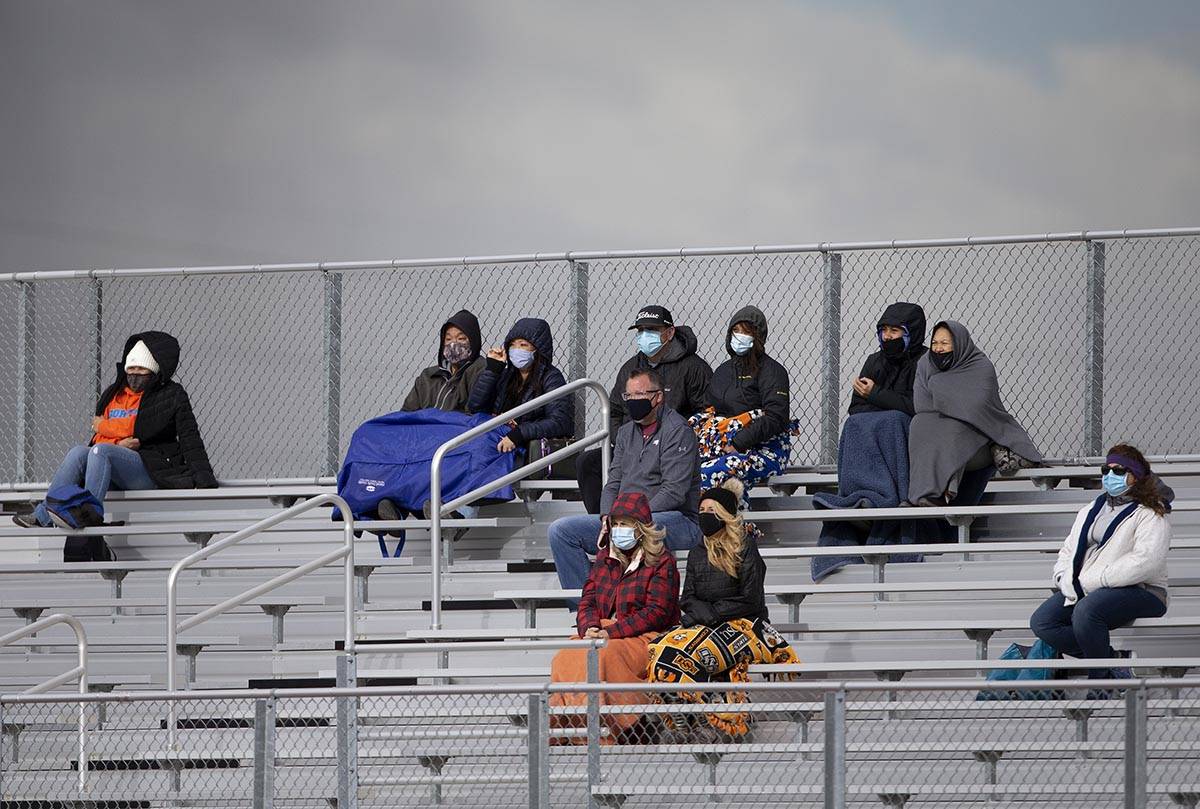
point(727, 499)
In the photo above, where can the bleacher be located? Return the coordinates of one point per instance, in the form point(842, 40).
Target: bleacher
point(874, 622)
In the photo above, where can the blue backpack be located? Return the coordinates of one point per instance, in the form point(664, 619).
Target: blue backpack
point(75, 506)
point(1038, 651)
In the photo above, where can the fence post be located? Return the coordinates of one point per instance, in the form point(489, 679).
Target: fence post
point(1093, 367)
point(579, 338)
point(1135, 748)
point(333, 372)
point(593, 725)
point(26, 351)
point(264, 753)
point(835, 750)
point(347, 734)
point(831, 355)
point(98, 333)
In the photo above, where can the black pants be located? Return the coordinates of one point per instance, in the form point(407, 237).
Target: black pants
point(589, 472)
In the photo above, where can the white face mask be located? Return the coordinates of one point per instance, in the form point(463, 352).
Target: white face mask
point(624, 536)
point(740, 344)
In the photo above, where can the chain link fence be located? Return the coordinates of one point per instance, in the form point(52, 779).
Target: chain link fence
point(1061, 743)
point(1090, 336)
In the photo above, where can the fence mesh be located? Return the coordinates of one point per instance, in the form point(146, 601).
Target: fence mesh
point(465, 747)
point(281, 367)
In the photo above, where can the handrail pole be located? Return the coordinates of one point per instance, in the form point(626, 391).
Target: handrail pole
point(173, 625)
point(81, 645)
point(435, 475)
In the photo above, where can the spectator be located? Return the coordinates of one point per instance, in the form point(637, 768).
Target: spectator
point(873, 450)
point(630, 597)
point(447, 384)
point(961, 424)
point(671, 351)
point(746, 424)
point(1112, 568)
point(656, 455)
point(723, 621)
point(144, 436)
point(522, 370)
point(886, 379)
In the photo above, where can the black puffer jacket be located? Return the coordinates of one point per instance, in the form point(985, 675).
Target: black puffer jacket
point(734, 389)
point(685, 376)
point(436, 386)
point(170, 443)
point(894, 377)
point(711, 596)
point(490, 393)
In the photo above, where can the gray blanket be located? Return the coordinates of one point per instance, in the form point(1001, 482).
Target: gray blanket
point(958, 411)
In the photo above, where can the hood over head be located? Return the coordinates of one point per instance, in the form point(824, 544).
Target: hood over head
point(469, 324)
point(964, 347)
point(752, 315)
point(536, 331)
point(909, 316)
point(163, 347)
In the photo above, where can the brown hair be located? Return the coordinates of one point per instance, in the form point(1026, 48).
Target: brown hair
point(1144, 490)
point(726, 547)
point(754, 356)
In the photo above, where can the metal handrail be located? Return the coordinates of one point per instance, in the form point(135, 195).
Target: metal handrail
point(602, 255)
point(344, 553)
point(79, 671)
point(438, 509)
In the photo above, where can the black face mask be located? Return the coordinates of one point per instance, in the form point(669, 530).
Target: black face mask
point(138, 382)
point(710, 524)
point(942, 361)
point(639, 408)
point(893, 349)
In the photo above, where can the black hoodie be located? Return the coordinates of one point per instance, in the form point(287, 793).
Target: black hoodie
point(894, 377)
point(685, 377)
point(735, 390)
point(490, 392)
point(165, 427)
point(436, 386)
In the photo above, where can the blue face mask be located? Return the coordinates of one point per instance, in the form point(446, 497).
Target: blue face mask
point(649, 342)
point(623, 536)
point(740, 344)
point(1115, 484)
point(520, 358)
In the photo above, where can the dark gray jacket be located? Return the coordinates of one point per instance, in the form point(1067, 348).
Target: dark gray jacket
point(436, 386)
point(736, 389)
point(666, 468)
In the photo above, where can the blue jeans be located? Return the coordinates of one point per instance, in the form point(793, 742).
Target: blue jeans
point(1082, 629)
point(572, 539)
point(97, 469)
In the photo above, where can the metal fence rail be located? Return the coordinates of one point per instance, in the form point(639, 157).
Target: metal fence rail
point(956, 742)
point(283, 361)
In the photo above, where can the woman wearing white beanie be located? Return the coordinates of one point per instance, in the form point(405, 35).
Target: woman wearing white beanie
point(144, 436)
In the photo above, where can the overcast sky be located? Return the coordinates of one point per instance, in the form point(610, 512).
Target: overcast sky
point(147, 133)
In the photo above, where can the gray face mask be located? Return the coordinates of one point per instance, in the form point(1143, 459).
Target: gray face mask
point(456, 353)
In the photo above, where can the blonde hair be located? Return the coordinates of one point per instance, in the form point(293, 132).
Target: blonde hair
point(650, 540)
point(725, 548)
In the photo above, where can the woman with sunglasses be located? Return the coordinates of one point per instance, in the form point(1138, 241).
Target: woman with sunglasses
point(1112, 568)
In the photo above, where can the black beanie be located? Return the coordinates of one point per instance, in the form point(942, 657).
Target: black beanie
point(727, 499)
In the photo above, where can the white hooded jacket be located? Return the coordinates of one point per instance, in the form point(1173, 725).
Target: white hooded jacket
point(1134, 552)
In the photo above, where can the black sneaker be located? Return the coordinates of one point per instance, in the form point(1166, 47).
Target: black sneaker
point(451, 536)
point(387, 511)
point(26, 520)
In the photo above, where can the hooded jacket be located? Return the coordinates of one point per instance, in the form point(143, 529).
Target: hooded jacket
point(436, 386)
point(488, 394)
point(734, 390)
point(894, 376)
point(169, 439)
point(685, 377)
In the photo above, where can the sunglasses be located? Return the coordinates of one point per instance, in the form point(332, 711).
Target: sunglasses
point(1118, 469)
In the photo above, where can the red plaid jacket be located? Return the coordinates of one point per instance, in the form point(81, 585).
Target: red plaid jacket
point(646, 600)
